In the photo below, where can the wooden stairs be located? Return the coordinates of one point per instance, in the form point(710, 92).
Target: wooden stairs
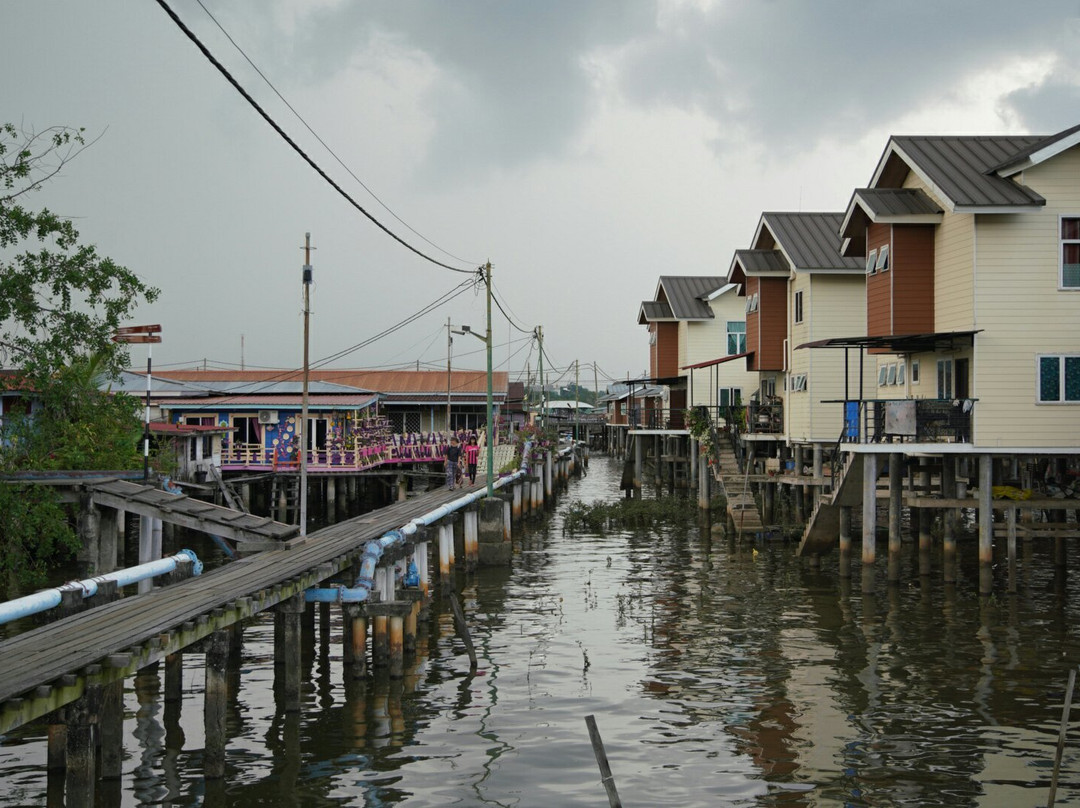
point(741, 506)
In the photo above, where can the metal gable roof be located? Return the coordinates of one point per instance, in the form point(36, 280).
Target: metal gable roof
point(1042, 150)
point(903, 205)
point(686, 294)
point(760, 262)
point(811, 241)
point(961, 168)
point(652, 310)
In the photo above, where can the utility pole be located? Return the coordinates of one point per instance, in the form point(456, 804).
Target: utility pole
point(595, 384)
point(577, 399)
point(540, 372)
point(449, 342)
point(490, 395)
point(302, 431)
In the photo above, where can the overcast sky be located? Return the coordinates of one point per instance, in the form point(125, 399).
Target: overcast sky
point(584, 147)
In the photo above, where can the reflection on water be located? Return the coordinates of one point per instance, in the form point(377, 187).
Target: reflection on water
point(719, 674)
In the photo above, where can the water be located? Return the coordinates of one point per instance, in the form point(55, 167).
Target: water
point(719, 674)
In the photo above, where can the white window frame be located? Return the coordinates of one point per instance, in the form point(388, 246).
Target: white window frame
point(892, 374)
point(900, 373)
point(752, 302)
point(1062, 241)
point(740, 337)
point(1061, 379)
point(882, 375)
point(882, 259)
point(943, 364)
point(871, 262)
point(914, 371)
point(798, 383)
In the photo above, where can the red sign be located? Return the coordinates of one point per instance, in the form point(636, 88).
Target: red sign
point(136, 339)
point(138, 329)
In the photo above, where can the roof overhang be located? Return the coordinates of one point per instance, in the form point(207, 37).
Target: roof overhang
point(918, 209)
point(712, 362)
point(900, 343)
point(1055, 147)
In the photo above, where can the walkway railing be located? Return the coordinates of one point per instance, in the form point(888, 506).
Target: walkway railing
point(917, 420)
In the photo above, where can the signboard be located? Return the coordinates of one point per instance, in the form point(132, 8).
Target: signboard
point(137, 329)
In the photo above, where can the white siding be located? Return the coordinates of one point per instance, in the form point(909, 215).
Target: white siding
point(1022, 313)
point(707, 340)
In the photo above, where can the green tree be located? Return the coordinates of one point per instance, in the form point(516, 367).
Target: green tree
point(60, 304)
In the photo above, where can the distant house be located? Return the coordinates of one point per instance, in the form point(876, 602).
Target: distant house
point(971, 249)
point(799, 288)
point(693, 321)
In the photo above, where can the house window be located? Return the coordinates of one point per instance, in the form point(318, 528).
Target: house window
point(871, 262)
point(798, 307)
point(798, 383)
point(882, 375)
point(915, 371)
point(944, 378)
point(1059, 379)
point(883, 259)
point(730, 396)
point(736, 337)
point(752, 302)
point(900, 373)
point(892, 373)
point(1070, 253)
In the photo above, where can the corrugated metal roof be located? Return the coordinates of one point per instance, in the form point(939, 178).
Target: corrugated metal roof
point(263, 402)
point(811, 241)
point(654, 310)
point(382, 381)
point(897, 202)
point(962, 168)
point(762, 262)
point(687, 294)
point(1047, 143)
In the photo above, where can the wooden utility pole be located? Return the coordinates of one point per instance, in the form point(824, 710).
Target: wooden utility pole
point(301, 432)
point(449, 342)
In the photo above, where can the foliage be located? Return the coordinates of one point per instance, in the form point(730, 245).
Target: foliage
point(60, 304)
point(598, 516)
point(58, 298)
point(540, 436)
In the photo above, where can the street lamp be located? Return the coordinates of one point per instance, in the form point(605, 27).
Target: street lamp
point(148, 335)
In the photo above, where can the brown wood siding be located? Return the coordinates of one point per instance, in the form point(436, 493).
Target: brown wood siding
point(878, 286)
point(913, 283)
point(772, 314)
point(753, 327)
point(667, 350)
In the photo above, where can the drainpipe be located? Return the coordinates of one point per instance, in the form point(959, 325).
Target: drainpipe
point(51, 598)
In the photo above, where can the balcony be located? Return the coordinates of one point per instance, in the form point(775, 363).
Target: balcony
point(911, 420)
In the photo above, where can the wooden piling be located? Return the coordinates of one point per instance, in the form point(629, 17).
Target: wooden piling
point(986, 525)
point(397, 646)
point(215, 701)
point(80, 753)
point(174, 676)
point(380, 641)
point(948, 519)
point(354, 640)
point(292, 613)
point(896, 491)
point(869, 520)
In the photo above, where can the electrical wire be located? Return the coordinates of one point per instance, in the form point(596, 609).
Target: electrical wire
point(321, 141)
point(295, 147)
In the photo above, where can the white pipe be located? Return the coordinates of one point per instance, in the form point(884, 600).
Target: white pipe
point(51, 598)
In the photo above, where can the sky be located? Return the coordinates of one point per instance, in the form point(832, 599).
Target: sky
point(583, 147)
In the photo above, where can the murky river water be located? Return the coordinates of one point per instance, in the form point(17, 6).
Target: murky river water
point(719, 674)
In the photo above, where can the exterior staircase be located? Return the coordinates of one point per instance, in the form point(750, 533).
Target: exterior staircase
point(822, 531)
point(741, 506)
point(228, 493)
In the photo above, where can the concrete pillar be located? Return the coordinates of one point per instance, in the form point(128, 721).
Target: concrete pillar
point(411, 620)
point(639, 465)
point(924, 516)
point(402, 488)
point(896, 491)
point(215, 701)
point(800, 491)
point(507, 521)
point(354, 640)
point(397, 646)
point(819, 471)
point(769, 496)
point(446, 550)
point(845, 541)
point(986, 524)
point(89, 524)
point(948, 518)
point(291, 612)
point(146, 549)
point(472, 549)
point(694, 451)
point(331, 497)
point(421, 556)
point(245, 495)
point(516, 507)
point(869, 520)
point(1010, 527)
point(549, 487)
point(494, 546)
point(380, 641)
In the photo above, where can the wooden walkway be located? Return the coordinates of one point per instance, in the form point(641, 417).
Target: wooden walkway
point(48, 667)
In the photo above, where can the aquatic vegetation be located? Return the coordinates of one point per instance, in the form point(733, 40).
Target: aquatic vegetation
point(599, 516)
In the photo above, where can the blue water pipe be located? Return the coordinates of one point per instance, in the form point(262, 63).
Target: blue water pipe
point(51, 598)
point(374, 549)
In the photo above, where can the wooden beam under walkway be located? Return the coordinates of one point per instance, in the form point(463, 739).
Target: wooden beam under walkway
point(46, 668)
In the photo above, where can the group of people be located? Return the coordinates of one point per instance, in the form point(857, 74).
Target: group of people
point(454, 454)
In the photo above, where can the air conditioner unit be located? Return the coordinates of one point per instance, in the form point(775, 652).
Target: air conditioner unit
point(268, 416)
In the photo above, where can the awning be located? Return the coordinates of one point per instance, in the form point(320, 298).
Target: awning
point(899, 343)
point(719, 361)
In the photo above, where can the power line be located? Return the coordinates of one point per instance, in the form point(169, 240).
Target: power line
point(281, 132)
point(321, 141)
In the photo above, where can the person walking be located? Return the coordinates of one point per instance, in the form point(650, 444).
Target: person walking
point(453, 455)
point(472, 455)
